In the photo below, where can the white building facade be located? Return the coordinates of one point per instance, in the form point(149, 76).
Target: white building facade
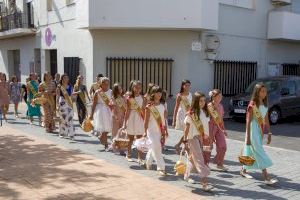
point(206, 41)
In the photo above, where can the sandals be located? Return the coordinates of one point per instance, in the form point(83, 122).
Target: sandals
point(206, 187)
point(271, 181)
point(246, 175)
point(162, 172)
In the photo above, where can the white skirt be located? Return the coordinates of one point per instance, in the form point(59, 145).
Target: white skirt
point(135, 124)
point(102, 119)
point(180, 120)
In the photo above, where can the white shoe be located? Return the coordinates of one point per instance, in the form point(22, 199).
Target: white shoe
point(207, 188)
point(222, 169)
point(189, 180)
point(271, 181)
point(129, 159)
point(246, 175)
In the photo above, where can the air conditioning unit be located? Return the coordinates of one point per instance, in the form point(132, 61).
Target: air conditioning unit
point(281, 2)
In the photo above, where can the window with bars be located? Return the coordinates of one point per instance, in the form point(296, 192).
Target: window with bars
point(146, 70)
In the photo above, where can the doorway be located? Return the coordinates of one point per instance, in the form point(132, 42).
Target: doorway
point(53, 62)
point(14, 63)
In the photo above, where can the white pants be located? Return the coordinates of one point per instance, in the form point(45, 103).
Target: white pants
point(155, 151)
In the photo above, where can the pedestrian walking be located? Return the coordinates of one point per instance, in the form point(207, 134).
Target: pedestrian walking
point(15, 93)
point(32, 93)
point(196, 129)
point(4, 95)
point(155, 130)
point(96, 85)
point(101, 111)
point(217, 127)
point(256, 125)
point(182, 106)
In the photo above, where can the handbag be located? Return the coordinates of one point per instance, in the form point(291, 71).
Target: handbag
point(246, 160)
point(180, 165)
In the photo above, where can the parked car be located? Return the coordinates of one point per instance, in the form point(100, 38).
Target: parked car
point(283, 95)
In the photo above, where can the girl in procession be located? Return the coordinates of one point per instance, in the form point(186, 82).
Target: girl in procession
point(15, 93)
point(64, 102)
point(257, 122)
point(196, 129)
point(182, 106)
point(32, 92)
point(134, 117)
point(217, 127)
point(81, 91)
point(48, 91)
point(101, 111)
point(118, 109)
point(155, 129)
point(4, 95)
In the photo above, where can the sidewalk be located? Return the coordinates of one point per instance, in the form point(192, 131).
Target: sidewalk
point(33, 168)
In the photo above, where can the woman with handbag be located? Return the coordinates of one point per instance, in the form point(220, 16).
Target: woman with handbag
point(196, 129)
point(257, 121)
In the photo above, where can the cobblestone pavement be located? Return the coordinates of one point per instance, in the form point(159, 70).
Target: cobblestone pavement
point(227, 185)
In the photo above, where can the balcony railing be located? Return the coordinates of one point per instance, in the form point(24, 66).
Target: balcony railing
point(15, 21)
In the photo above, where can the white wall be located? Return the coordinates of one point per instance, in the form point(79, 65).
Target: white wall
point(155, 44)
point(26, 45)
point(167, 14)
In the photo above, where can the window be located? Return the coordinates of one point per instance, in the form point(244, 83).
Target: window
point(291, 86)
point(70, 2)
point(298, 85)
point(49, 5)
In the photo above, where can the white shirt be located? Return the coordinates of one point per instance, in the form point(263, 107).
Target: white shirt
point(193, 130)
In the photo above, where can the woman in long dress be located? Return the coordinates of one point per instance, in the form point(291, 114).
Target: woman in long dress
point(48, 91)
point(81, 91)
point(183, 103)
point(15, 93)
point(64, 104)
point(32, 92)
point(101, 111)
point(257, 121)
point(4, 95)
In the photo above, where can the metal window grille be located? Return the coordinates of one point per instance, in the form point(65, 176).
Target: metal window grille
point(291, 69)
point(147, 70)
point(233, 77)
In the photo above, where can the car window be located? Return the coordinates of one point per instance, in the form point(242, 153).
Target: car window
point(291, 85)
point(272, 85)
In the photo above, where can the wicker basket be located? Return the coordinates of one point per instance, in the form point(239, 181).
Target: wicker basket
point(87, 125)
point(121, 142)
point(246, 160)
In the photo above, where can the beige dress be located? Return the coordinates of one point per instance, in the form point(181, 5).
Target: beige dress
point(118, 116)
point(135, 123)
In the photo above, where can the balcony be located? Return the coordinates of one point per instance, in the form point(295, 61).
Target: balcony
point(16, 25)
point(284, 25)
point(147, 14)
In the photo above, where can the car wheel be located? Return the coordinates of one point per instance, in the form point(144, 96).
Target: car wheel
point(274, 115)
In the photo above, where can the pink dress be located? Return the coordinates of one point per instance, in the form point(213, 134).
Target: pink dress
point(219, 138)
point(118, 116)
point(4, 98)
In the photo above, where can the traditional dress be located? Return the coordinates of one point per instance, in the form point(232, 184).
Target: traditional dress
point(81, 102)
point(217, 133)
point(262, 160)
point(32, 90)
point(119, 108)
point(15, 92)
point(49, 105)
point(102, 114)
point(135, 123)
point(185, 103)
point(196, 147)
point(66, 113)
point(154, 132)
point(4, 98)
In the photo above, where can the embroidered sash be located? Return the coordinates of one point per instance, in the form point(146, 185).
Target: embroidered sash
point(185, 102)
point(257, 116)
point(198, 124)
point(134, 105)
point(120, 103)
point(32, 89)
point(81, 95)
point(67, 96)
point(105, 98)
point(50, 99)
point(215, 116)
point(155, 113)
